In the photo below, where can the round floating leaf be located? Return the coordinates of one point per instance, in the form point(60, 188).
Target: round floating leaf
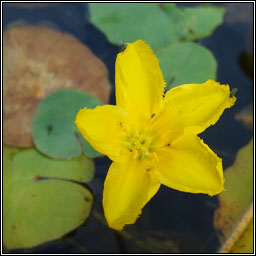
point(37, 61)
point(40, 201)
point(245, 242)
point(8, 153)
point(54, 131)
point(194, 22)
point(186, 62)
point(202, 21)
point(129, 22)
point(87, 149)
point(237, 198)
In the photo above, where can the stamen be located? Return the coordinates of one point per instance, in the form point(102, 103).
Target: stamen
point(139, 145)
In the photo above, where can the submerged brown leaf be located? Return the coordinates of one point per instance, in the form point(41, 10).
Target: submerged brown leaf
point(246, 116)
point(37, 61)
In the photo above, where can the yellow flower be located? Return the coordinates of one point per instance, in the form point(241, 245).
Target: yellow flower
point(152, 139)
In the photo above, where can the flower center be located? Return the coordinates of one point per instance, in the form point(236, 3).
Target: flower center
point(139, 145)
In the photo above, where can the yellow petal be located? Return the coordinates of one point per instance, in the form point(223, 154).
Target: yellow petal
point(103, 128)
point(192, 106)
point(139, 80)
point(189, 165)
point(127, 188)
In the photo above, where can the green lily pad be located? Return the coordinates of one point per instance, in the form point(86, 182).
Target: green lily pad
point(193, 23)
point(8, 153)
point(235, 210)
point(54, 131)
point(41, 199)
point(88, 150)
point(128, 22)
point(186, 62)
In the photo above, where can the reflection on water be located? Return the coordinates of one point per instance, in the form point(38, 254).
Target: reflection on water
point(172, 222)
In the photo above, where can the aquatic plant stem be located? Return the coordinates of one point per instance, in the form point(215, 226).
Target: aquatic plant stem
point(120, 241)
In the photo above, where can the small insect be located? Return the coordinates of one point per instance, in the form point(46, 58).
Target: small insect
point(233, 92)
point(122, 47)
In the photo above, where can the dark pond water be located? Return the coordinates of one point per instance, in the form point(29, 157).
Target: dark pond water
point(172, 222)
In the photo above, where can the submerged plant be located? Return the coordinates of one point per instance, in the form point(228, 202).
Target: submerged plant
point(151, 137)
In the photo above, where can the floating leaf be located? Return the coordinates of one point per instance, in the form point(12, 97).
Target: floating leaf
point(87, 149)
point(236, 239)
point(186, 62)
point(40, 200)
point(37, 61)
point(54, 131)
point(129, 22)
point(193, 23)
point(245, 242)
point(8, 154)
point(235, 210)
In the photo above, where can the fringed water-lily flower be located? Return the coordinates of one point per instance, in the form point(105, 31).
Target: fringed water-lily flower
point(152, 139)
